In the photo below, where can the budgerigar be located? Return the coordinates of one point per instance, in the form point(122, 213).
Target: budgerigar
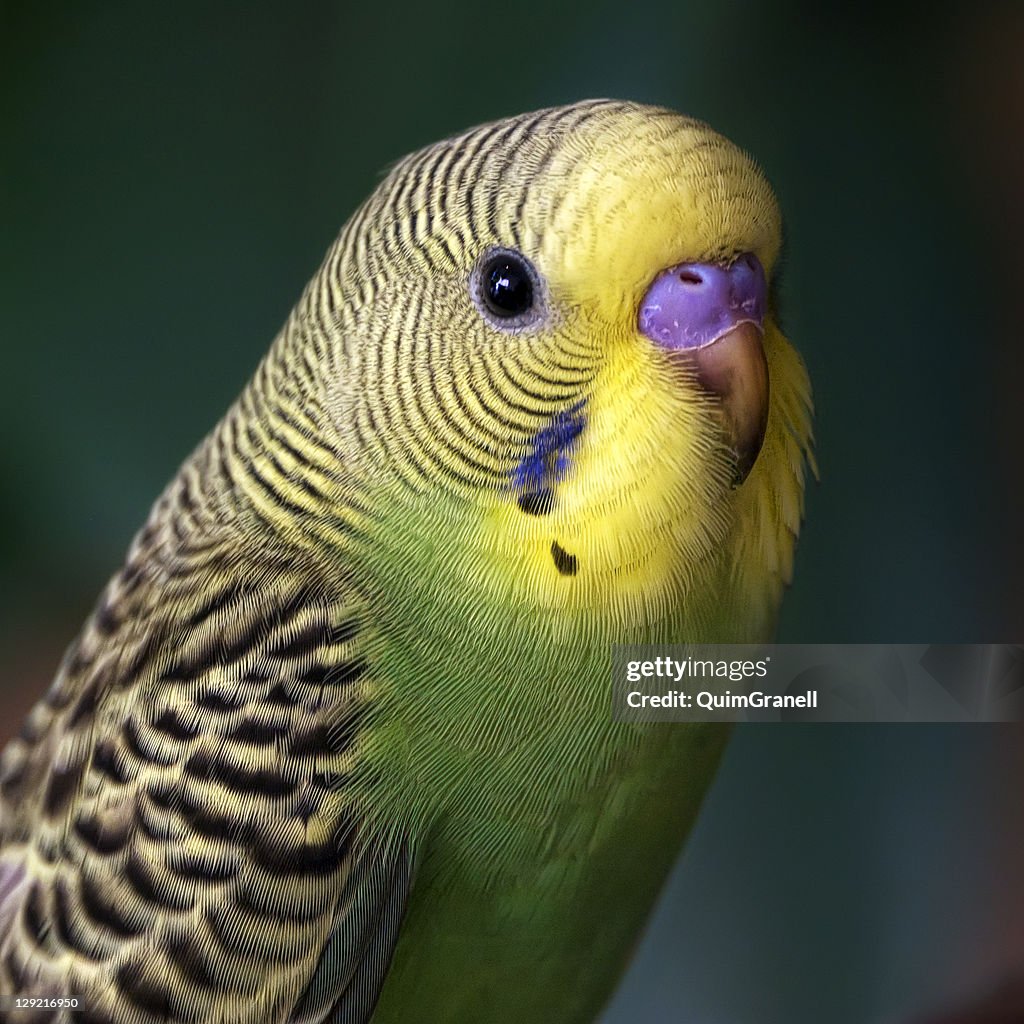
point(336, 744)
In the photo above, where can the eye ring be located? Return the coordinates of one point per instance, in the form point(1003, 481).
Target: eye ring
point(507, 290)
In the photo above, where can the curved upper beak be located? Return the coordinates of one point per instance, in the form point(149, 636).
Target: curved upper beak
point(711, 317)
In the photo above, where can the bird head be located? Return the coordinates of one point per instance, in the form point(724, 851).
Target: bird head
point(556, 330)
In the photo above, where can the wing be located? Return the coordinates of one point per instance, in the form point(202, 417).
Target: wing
point(355, 960)
point(178, 835)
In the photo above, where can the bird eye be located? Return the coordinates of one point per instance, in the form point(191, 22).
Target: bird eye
point(506, 288)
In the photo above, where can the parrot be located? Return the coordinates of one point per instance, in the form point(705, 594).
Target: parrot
point(336, 744)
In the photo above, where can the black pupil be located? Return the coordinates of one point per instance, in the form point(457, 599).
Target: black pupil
point(508, 287)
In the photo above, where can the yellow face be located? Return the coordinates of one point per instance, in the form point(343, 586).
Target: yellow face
point(590, 468)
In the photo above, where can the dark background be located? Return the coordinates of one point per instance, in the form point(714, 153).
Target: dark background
point(171, 175)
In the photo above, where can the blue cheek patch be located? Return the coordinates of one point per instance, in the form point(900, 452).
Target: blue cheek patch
point(548, 461)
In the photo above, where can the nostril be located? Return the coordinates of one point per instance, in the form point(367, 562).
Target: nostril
point(690, 277)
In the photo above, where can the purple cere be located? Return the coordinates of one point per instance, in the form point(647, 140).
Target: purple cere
point(694, 304)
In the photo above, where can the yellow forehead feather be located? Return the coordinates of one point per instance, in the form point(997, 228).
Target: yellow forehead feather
point(640, 190)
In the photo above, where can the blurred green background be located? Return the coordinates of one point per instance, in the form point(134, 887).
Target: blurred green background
point(171, 175)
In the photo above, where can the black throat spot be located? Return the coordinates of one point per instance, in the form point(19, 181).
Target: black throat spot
point(537, 503)
point(565, 563)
